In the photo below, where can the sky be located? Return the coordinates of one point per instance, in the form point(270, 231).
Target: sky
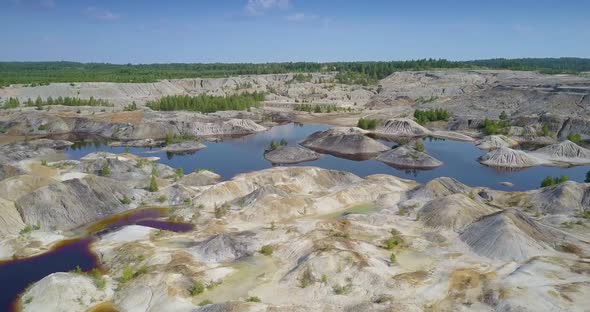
point(206, 31)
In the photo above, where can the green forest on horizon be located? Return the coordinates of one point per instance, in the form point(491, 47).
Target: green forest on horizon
point(42, 73)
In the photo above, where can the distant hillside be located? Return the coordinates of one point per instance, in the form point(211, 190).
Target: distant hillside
point(39, 73)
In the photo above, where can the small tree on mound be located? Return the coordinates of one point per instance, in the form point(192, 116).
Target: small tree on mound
point(153, 187)
point(273, 145)
point(105, 170)
point(420, 146)
point(574, 137)
point(503, 115)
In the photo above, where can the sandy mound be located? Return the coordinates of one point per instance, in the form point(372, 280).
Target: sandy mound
point(405, 157)
point(345, 142)
point(290, 155)
point(508, 158)
point(565, 198)
point(491, 142)
point(402, 127)
point(453, 212)
point(74, 202)
point(440, 187)
point(566, 151)
point(509, 235)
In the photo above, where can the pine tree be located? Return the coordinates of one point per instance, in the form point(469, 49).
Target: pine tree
point(153, 187)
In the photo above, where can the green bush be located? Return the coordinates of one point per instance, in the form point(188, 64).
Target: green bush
point(491, 127)
point(273, 145)
point(367, 124)
point(162, 199)
point(105, 170)
point(125, 200)
point(425, 116)
point(267, 250)
point(153, 187)
point(420, 146)
point(205, 302)
point(392, 258)
point(545, 130)
point(549, 181)
point(503, 116)
point(574, 137)
point(197, 288)
point(180, 172)
point(253, 299)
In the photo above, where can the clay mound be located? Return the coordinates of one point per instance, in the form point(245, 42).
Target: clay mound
point(565, 198)
point(344, 142)
point(290, 155)
point(183, 147)
point(225, 247)
point(440, 187)
point(566, 151)
point(491, 142)
point(451, 135)
point(405, 157)
point(73, 202)
point(508, 158)
point(509, 235)
point(453, 212)
point(402, 127)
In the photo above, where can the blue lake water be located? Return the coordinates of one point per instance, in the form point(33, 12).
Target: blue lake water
point(233, 156)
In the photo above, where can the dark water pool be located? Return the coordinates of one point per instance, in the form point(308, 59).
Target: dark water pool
point(17, 275)
point(245, 154)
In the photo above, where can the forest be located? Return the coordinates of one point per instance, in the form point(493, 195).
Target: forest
point(42, 73)
point(207, 103)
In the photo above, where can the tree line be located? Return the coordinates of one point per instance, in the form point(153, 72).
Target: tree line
point(42, 73)
point(207, 103)
point(66, 101)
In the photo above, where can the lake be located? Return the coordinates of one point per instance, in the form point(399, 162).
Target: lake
point(233, 156)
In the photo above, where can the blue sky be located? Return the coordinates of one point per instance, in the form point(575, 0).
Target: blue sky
point(149, 31)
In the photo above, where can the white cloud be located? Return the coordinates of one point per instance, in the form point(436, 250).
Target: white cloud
point(302, 17)
point(101, 14)
point(259, 7)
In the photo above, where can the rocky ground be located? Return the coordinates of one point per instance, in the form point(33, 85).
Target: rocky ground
point(303, 239)
point(306, 238)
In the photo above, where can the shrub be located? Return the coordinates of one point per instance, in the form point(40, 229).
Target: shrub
point(490, 127)
point(367, 124)
point(129, 274)
point(392, 258)
point(43, 162)
point(197, 288)
point(548, 181)
point(153, 187)
point(273, 145)
point(391, 243)
point(574, 137)
point(126, 149)
point(162, 199)
point(420, 146)
point(220, 211)
point(306, 278)
point(179, 172)
point(99, 281)
point(283, 142)
point(545, 130)
point(105, 170)
point(125, 200)
point(205, 302)
point(587, 177)
point(253, 299)
point(425, 116)
point(266, 250)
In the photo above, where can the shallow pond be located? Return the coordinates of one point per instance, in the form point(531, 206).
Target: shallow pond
point(17, 275)
point(233, 156)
